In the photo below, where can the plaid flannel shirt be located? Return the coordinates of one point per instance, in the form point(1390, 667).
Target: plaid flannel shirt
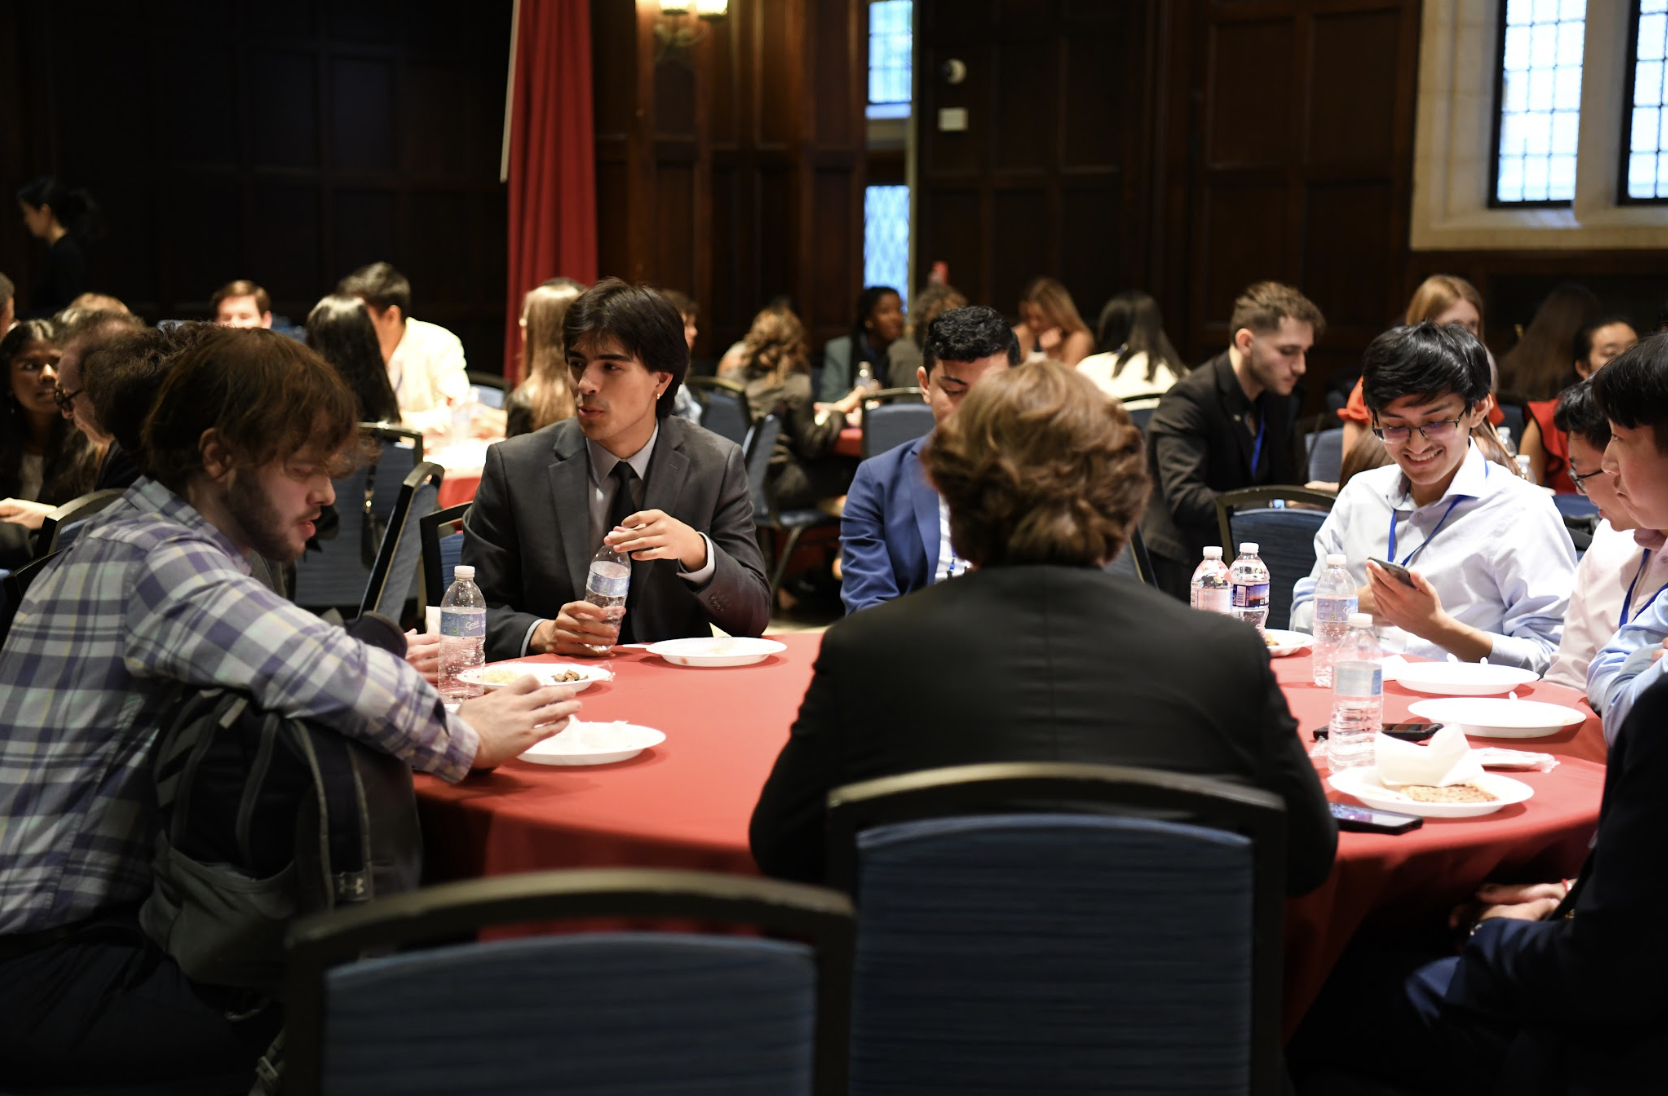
point(151, 594)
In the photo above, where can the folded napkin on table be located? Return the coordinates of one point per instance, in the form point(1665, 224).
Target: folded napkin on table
point(1393, 666)
point(1447, 760)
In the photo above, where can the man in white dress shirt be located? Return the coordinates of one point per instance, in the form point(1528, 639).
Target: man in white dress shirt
point(1636, 403)
point(425, 361)
point(1624, 569)
point(1491, 564)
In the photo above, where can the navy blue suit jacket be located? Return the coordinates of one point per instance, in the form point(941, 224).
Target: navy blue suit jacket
point(889, 533)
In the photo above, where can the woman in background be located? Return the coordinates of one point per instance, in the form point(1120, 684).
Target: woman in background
point(45, 461)
point(340, 329)
point(1136, 356)
point(1538, 367)
point(1050, 326)
point(903, 357)
point(545, 396)
point(879, 324)
point(65, 219)
point(1546, 446)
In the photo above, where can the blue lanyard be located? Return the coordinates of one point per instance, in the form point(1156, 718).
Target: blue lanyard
point(1421, 548)
point(1628, 601)
point(1257, 446)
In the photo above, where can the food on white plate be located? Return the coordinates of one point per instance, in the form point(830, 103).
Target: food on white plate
point(1450, 793)
point(503, 675)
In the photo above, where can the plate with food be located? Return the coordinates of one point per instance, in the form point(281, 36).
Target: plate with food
point(1462, 678)
point(1282, 643)
point(1486, 717)
point(718, 651)
point(594, 744)
point(1472, 798)
point(501, 674)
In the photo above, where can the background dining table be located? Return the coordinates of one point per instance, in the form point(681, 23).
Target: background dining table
point(686, 803)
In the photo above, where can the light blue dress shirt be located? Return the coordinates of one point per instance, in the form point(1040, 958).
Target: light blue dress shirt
point(1623, 670)
point(1493, 548)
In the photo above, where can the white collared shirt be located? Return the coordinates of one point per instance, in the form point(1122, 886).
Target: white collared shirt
point(1614, 575)
point(428, 372)
point(1624, 669)
point(949, 564)
point(1501, 562)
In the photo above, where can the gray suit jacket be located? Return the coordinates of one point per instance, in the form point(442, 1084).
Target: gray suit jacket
point(528, 536)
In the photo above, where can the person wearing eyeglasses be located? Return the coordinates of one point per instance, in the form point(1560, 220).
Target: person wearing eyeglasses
point(1625, 568)
point(44, 461)
point(1489, 562)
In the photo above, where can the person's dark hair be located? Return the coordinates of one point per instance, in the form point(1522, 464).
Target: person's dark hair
point(931, 303)
point(968, 334)
point(94, 328)
point(1131, 324)
point(683, 302)
point(75, 209)
point(1583, 344)
point(1541, 365)
point(641, 320)
point(1264, 304)
point(266, 397)
point(381, 286)
point(867, 302)
point(1424, 360)
point(1037, 465)
point(775, 346)
point(123, 376)
point(1578, 414)
point(340, 329)
point(1632, 390)
point(243, 287)
point(68, 464)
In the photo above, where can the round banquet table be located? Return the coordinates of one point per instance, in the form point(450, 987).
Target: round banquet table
point(686, 804)
point(850, 442)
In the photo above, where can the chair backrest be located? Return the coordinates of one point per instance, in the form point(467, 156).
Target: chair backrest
point(1326, 456)
point(441, 533)
point(726, 411)
point(895, 422)
point(1141, 407)
point(1133, 562)
point(1067, 943)
point(14, 586)
point(585, 1013)
point(1285, 536)
point(61, 525)
point(1513, 421)
point(761, 441)
point(338, 573)
point(489, 388)
point(396, 576)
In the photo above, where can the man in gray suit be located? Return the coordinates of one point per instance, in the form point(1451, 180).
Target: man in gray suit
point(627, 471)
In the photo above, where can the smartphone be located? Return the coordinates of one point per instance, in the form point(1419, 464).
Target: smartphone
point(1368, 820)
point(1396, 570)
point(1411, 732)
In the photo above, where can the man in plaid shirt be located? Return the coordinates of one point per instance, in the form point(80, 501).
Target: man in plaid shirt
point(239, 452)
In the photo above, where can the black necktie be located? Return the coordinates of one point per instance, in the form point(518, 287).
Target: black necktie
point(625, 505)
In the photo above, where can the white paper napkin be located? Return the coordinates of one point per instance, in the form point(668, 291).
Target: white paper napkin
point(1447, 760)
point(1393, 667)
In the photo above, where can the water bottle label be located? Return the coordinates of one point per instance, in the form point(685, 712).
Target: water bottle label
point(1251, 595)
point(465, 625)
point(609, 585)
point(1213, 600)
point(1335, 610)
point(1358, 679)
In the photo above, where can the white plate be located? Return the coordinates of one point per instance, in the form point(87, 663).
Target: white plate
point(1463, 678)
point(1287, 643)
point(1483, 717)
point(1362, 782)
point(594, 744)
point(741, 651)
point(494, 676)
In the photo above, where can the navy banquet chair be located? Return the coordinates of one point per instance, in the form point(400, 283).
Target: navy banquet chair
point(1284, 535)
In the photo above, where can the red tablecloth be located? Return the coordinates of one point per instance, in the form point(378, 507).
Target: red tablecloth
point(459, 486)
point(850, 443)
point(686, 804)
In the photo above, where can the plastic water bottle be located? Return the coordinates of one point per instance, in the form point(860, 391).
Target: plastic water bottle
point(462, 634)
point(1357, 697)
point(608, 583)
point(1210, 584)
point(1336, 600)
point(1505, 435)
point(463, 417)
point(1523, 468)
point(865, 377)
point(1248, 582)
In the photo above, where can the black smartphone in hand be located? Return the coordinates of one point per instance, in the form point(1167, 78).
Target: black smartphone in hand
point(1368, 820)
point(1396, 570)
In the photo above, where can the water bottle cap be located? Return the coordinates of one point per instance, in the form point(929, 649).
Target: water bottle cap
point(1248, 548)
point(1335, 559)
point(1213, 552)
point(1361, 620)
point(463, 571)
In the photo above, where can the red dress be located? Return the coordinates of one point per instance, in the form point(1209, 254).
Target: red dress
point(1557, 446)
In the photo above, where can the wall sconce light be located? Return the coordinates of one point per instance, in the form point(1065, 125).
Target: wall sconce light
point(683, 23)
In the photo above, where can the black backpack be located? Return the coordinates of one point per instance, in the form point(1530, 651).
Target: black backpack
point(264, 819)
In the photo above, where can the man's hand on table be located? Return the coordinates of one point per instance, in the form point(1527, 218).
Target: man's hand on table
point(577, 630)
point(1513, 901)
point(23, 512)
point(516, 718)
point(655, 534)
point(423, 652)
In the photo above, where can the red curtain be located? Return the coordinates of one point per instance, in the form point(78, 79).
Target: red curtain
point(552, 177)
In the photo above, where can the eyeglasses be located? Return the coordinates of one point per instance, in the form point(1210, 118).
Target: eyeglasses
point(1581, 481)
point(1431, 431)
point(65, 400)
